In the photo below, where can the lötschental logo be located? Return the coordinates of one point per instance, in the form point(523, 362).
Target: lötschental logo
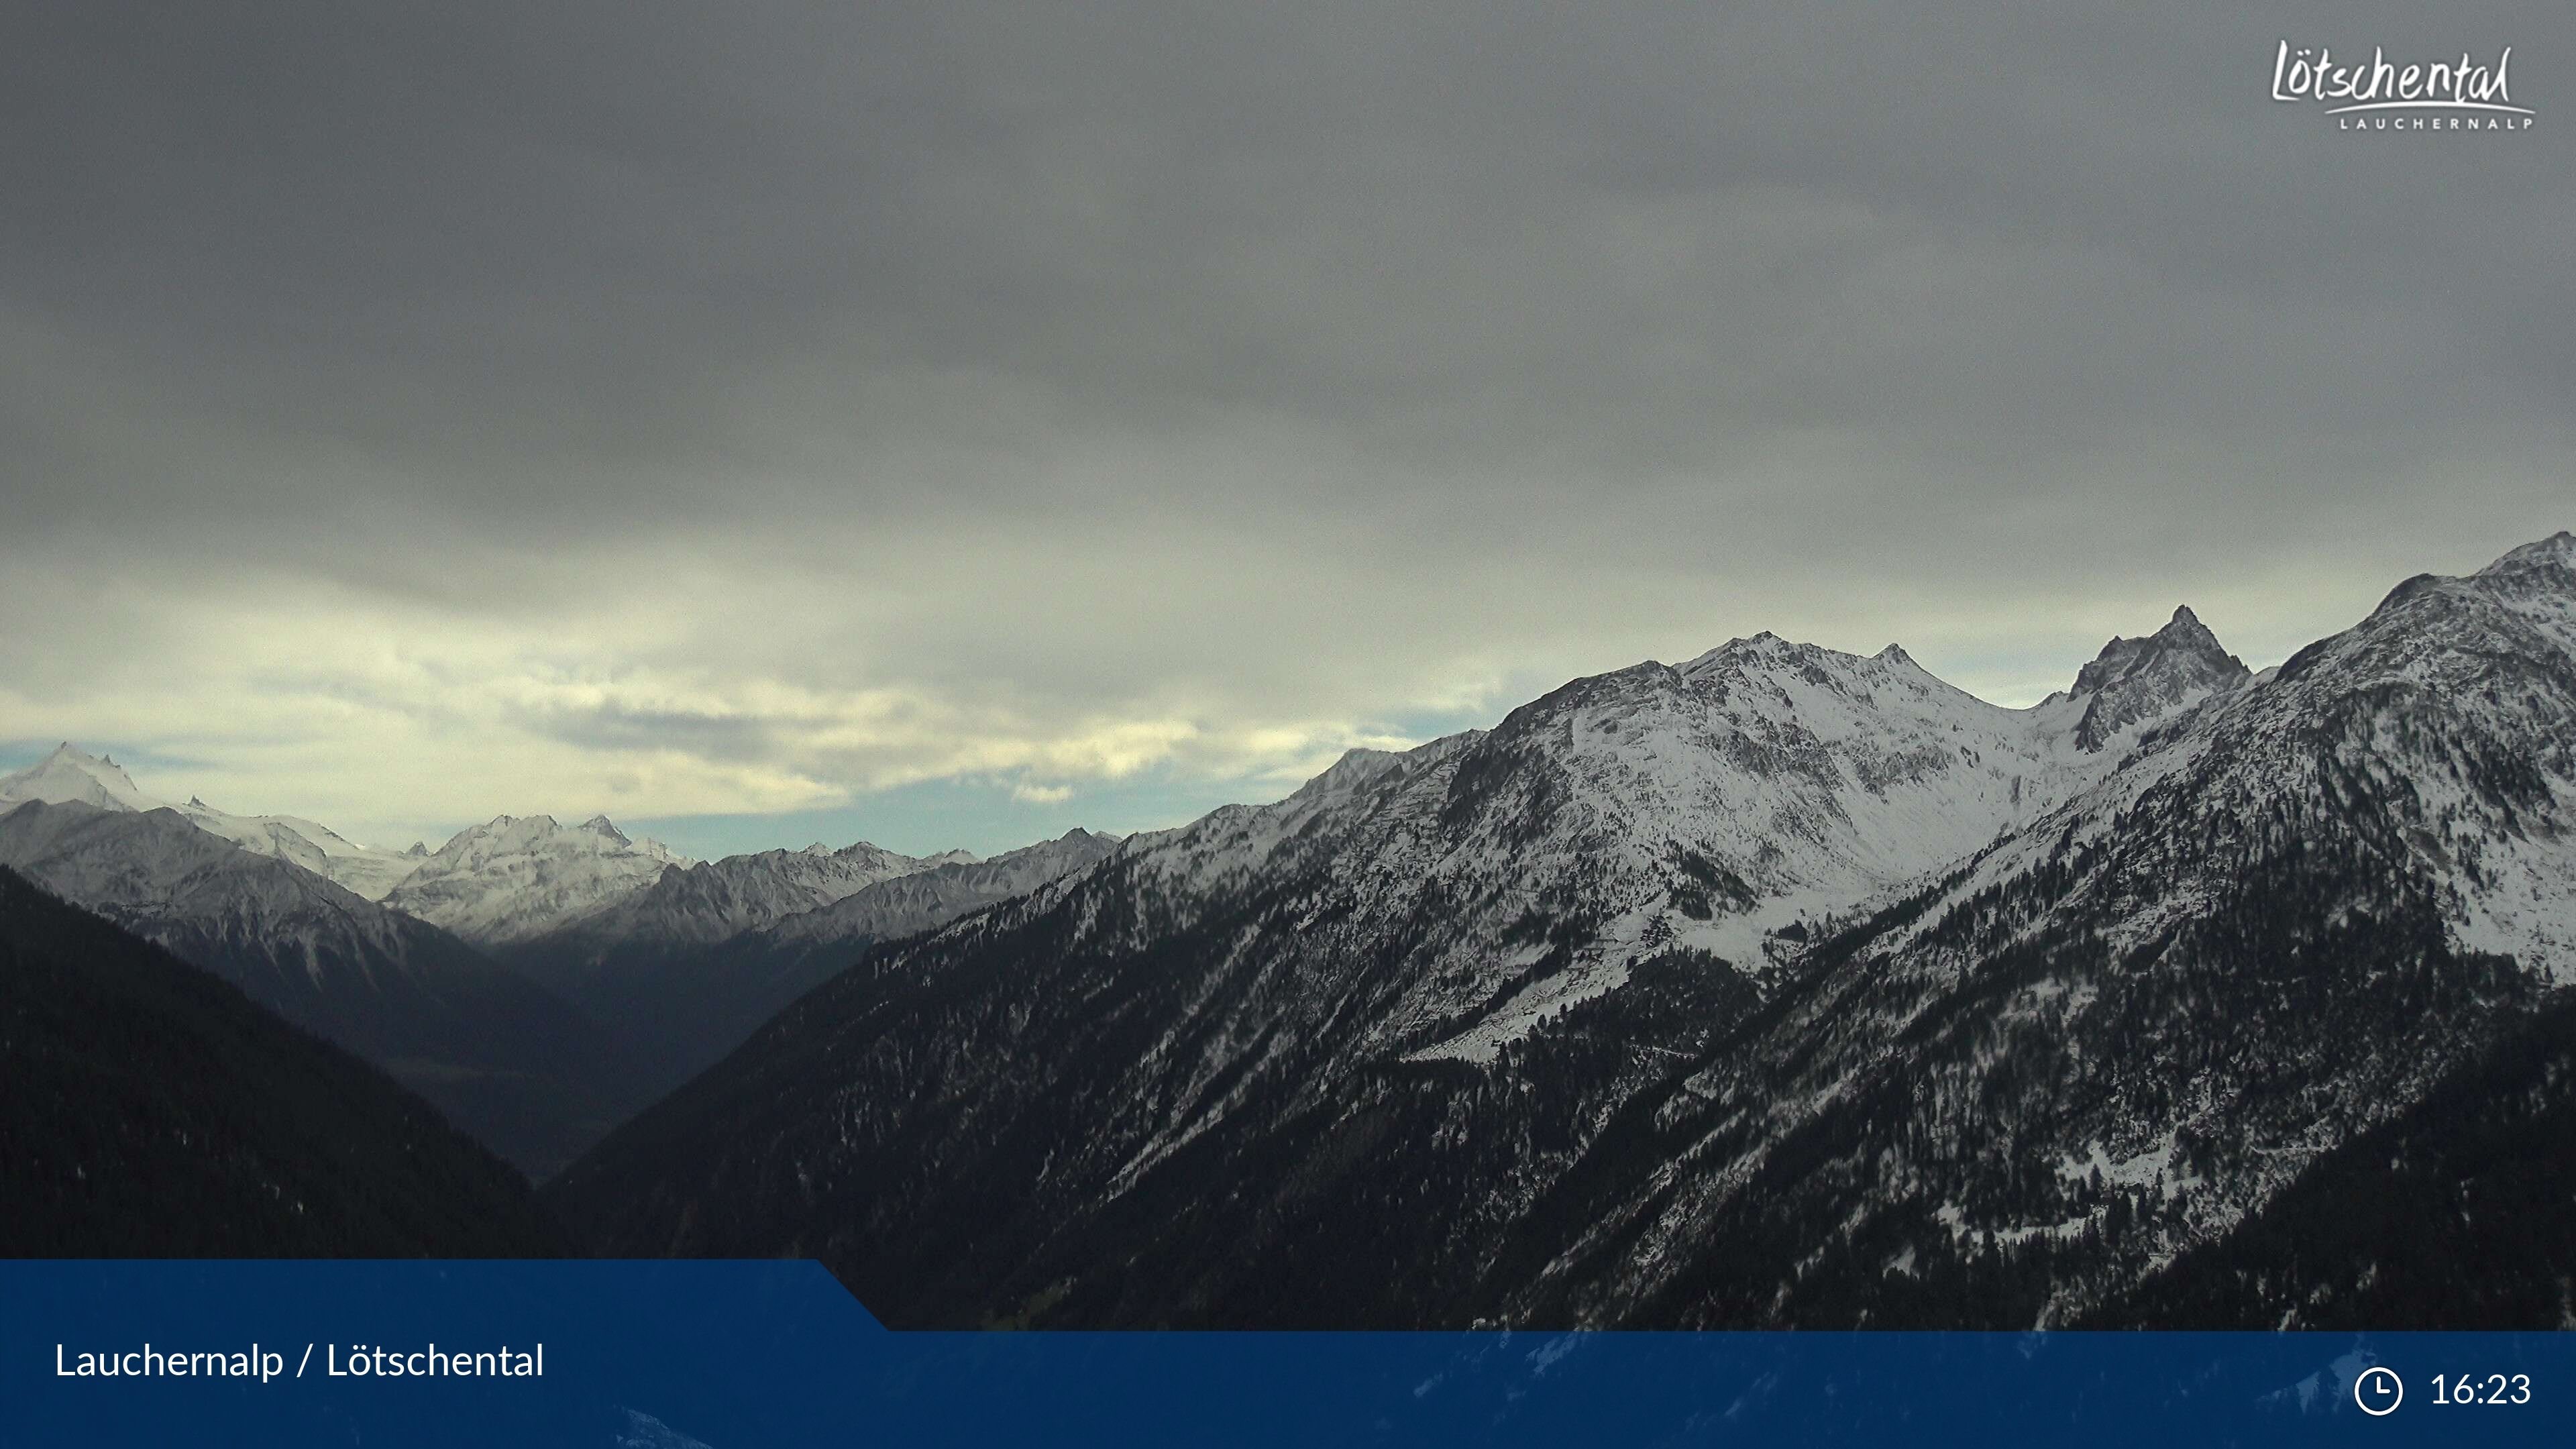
point(2454, 93)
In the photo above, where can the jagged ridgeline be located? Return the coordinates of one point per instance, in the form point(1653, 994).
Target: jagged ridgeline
point(1781, 987)
point(148, 1109)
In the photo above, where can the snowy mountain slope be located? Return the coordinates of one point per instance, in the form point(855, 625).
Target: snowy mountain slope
point(510, 1062)
point(1781, 987)
point(72, 776)
point(519, 877)
point(370, 871)
point(2444, 714)
point(69, 776)
point(1702, 807)
point(2281, 921)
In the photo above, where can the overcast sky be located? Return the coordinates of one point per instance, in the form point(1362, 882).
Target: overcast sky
point(948, 422)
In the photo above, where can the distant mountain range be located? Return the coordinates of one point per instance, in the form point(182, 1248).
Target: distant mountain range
point(1779, 987)
point(538, 981)
point(69, 777)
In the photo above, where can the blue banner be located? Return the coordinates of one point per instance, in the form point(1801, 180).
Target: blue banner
point(737, 1354)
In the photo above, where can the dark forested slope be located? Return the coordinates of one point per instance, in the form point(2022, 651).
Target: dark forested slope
point(148, 1109)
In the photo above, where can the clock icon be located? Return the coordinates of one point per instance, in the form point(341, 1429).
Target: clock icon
point(2378, 1391)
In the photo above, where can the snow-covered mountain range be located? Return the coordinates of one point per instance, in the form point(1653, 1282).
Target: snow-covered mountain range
point(566, 898)
point(1782, 986)
point(518, 877)
point(70, 776)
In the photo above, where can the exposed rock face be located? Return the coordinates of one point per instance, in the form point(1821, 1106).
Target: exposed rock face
point(2141, 679)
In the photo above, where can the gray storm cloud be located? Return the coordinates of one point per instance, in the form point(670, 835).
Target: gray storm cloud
point(735, 409)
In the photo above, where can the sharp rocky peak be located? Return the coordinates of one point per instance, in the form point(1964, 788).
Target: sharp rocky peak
point(2183, 641)
point(2134, 680)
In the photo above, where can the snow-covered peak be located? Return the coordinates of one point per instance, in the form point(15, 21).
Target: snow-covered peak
point(516, 877)
point(155, 866)
point(1790, 673)
point(2556, 551)
point(72, 776)
point(2441, 719)
point(869, 856)
point(505, 836)
point(2537, 581)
